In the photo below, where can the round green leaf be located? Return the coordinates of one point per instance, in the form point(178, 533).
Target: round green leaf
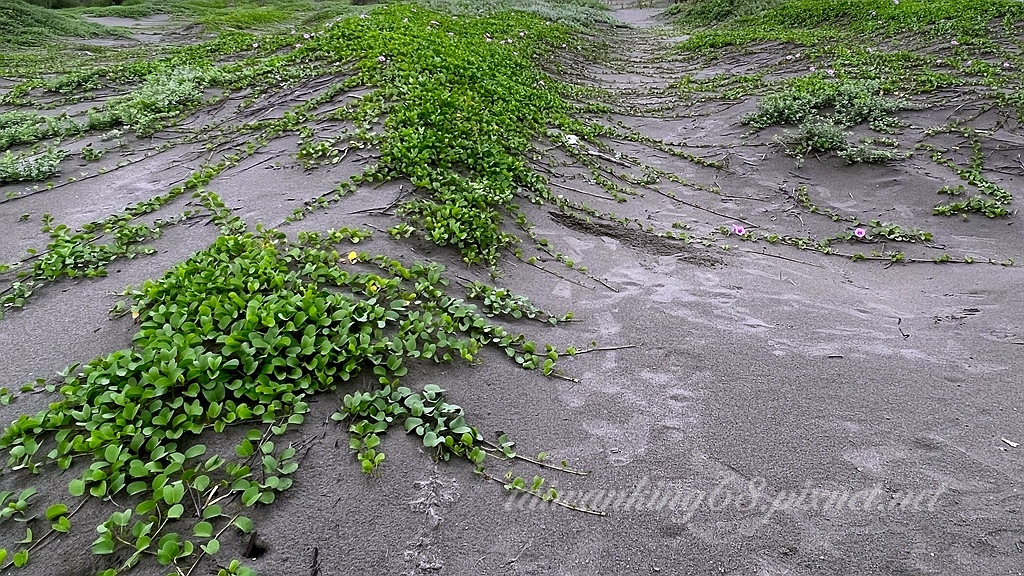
point(211, 547)
point(203, 529)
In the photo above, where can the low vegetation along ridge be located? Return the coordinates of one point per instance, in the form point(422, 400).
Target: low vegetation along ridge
point(237, 338)
point(463, 103)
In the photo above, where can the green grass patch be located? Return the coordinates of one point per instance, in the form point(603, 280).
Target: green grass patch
point(237, 339)
point(731, 22)
point(459, 99)
point(841, 102)
point(25, 25)
point(27, 167)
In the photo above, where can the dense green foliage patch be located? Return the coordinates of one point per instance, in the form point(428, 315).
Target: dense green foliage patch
point(862, 62)
point(23, 24)
point(243, 333)
point(808, 21)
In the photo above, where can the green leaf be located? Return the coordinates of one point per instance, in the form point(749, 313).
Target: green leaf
point(202, 529)
point(174, 492)
point(121, 518)
point(56, 510)
point(251, 495)
point(244, 524)
point(169, 550)
point(136, 487)
point(245, 448)
point(20, 558)
point(77, 487)
point(430, 439)
point(61, 525)
point(103, 545)
point(175, 511)
point(211, 547)
point(195, 451)
point(211, 511)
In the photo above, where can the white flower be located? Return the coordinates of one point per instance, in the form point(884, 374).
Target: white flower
point(812, 68)
point(255, 45)
point(306, 36)
point(954, 43)
point(363, 16)
point(382, 59)
point(830, 72)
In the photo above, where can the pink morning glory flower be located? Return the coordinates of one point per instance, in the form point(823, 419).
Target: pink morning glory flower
point(738, 229)
point(859, 233)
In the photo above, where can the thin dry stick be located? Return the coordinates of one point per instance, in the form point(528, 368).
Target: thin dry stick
point(401, 194)
point(494, 448)
point(605, 284)
point(552, 501)
point(584, 192)
point(780, 257)
point(556, 274)
point(604, 349)
point(698, 207)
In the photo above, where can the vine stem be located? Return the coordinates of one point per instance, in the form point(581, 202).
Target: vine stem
point(604, 349)
point(202, 553)
point(515, 456)
point(556, 274)
point(555, 500)
point(40, 541)
point(779, 256)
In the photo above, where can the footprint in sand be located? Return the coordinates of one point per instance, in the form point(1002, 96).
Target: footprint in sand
point(678, 410)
